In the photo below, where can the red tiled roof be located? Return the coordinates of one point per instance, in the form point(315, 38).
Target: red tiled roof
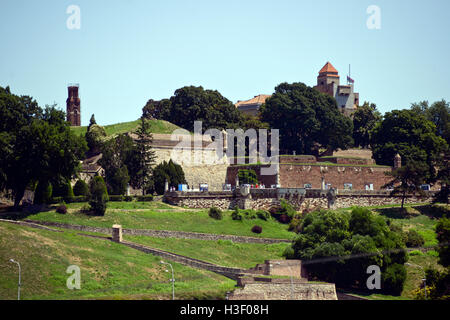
point(259, 99)
point(328, 67)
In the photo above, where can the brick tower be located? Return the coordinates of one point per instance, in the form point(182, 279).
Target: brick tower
point(73, 106)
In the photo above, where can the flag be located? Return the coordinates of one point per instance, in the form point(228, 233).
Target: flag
point(350, 80)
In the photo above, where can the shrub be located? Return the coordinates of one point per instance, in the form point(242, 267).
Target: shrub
point(43, 193)
point(284, 218)
point(99, 196)
point(414, 239)
point(62, 209)
point(256, 229)
point(236, 215)
point(416, 253)
point(115, 198)
point(289, 253)
point(56, 200)
point(393, 279)
point(263, 215)
point(295, 225)
point(81, 188)
point(128, 198)
point(148, 197)
point(215, 213)
point(247, 176)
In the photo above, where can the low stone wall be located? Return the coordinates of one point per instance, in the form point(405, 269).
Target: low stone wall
point(285, 291)
point(312, 199)
point(163, 233)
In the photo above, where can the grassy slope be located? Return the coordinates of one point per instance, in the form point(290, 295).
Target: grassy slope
point(225, 253)
point(108, 270)
point(156, 126)
point(159, 216)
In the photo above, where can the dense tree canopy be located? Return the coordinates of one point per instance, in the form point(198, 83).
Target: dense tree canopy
point(412, 136)
point(307, 119)
point(189, 104)
point(36, 144)
point(339, 247)
point(364, 120)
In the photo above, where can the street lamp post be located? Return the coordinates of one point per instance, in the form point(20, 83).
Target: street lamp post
point(424, 276)
point(20, 283)
point(173, 279)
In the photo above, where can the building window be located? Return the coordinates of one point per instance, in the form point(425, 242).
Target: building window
point(307, 186)
point(348, 186)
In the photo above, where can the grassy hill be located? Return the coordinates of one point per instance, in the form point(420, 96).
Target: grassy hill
point(108, 270)
point(156, 126)
point(115, 271)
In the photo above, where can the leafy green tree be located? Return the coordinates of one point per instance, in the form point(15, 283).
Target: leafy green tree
point(412, 136)
point(364, 120)
point(95, 137)
point(338, 248)
point(117, 155)
point(443, 236)
point(191, 103)
point(36, 144)
point(167, 171)
point(157, 109)
point(307, 120)
point(438, 113)
point(99, 196)
point(119, 181)
point(91, 122)
point(81, 188)
point(408, 179)
point(43, 193)
point(143, 158)
point(247, 176)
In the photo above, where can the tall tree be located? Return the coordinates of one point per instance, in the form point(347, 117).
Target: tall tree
point(307, 119)
point(36, 144)
point(412, 136)
point(190, 104)
point(364, 120)
point(143, 158)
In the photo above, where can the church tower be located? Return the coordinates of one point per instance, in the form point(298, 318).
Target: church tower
point(73, 109)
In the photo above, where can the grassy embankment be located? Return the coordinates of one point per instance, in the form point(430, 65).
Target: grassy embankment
point(108, 270)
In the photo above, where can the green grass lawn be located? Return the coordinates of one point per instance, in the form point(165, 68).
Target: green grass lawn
point(221, 252)
point(108, 270)
point(159, 216)
point(156, 126)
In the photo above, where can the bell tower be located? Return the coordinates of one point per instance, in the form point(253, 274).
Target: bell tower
point(73, 109)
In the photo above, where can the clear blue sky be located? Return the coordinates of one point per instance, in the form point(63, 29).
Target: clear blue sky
point(129, 51)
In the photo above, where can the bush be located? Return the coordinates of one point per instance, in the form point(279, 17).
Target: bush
point(263, 215)
point(284, 218)
point(257, 229)
point(62, 209)
point(43, 193)
point(236, 215)
point(148, 197)
point(81, 188)
point(128, 198)
point(295, 225)
point(393, 279)
point(414, 239)
point(56, 200)
point(215, 213)
point(289, 253)
point(115, 198)
point(416, 253)
point(99, 196)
